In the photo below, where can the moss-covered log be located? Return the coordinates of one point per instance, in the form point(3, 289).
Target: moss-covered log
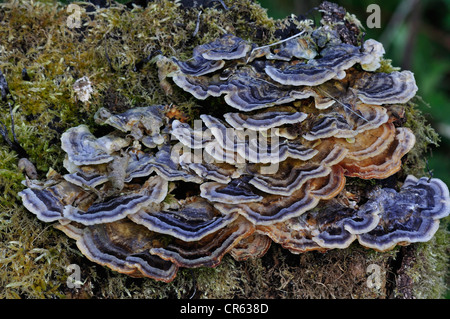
point(42, 55)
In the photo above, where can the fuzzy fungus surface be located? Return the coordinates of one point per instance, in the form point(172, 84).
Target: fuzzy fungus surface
point(280, 134)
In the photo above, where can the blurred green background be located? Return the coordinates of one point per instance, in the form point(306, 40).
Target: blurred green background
point(416, 36)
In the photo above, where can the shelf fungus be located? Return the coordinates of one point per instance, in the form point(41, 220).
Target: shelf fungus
point(269, 161)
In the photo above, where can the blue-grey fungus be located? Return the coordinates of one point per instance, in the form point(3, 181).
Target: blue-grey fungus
point(409, 215)
point(209, 251)
point(195, 219)
point(386, 88)
point(83, 148)
point(156, 193)
point(264, 121)
point(111, 245)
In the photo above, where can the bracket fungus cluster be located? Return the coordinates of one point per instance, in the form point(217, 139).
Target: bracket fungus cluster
point(307, 112)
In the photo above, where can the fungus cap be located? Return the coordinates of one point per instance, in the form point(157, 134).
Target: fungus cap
point(408, 216)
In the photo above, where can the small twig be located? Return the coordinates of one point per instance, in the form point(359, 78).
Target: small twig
point(4, 133)
point(273, 44)
point(197, 26)
point(14, 144)
point(4, 88)
point(279, 42)
point(345, 106)
point(109, 61)
point(12, 121)
point(6, 96)
point(223, 4)
point(363, 35)
point(195, 284)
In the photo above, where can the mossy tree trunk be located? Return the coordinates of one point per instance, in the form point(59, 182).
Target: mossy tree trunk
point(108, 48)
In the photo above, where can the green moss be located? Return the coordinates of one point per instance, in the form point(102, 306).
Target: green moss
point(429, 270)
point(386, 66)
point(33, 258)
point(426, 137)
